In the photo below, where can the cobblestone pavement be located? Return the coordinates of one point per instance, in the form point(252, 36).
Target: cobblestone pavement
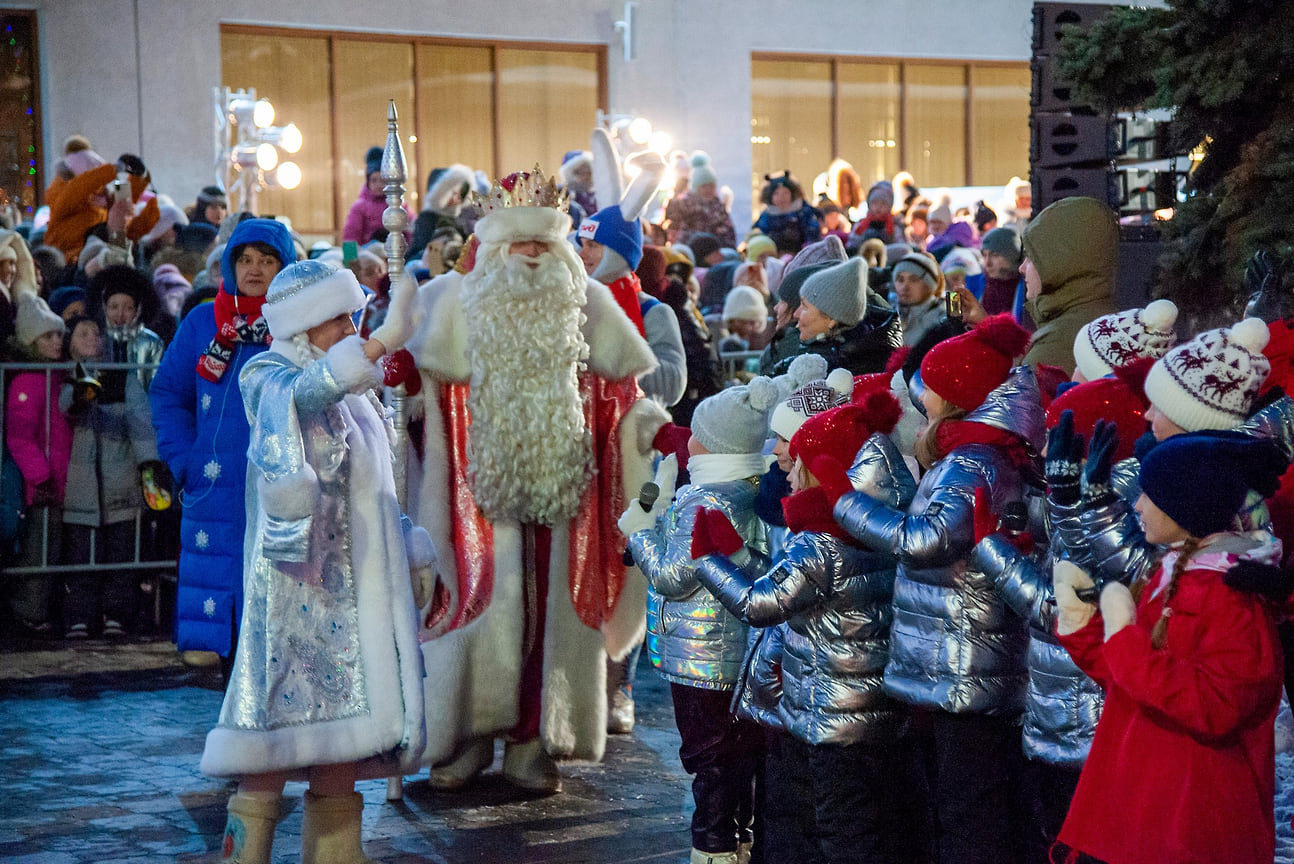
point(101, 749)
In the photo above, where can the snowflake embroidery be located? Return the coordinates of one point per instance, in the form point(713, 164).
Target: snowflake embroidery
point(206, 401)
point(201, 539)
point(211, 470)
point(209, 607)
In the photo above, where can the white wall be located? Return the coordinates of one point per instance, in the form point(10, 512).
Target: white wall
point(691, 78)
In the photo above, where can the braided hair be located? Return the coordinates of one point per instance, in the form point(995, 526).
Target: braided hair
point(1159, 633)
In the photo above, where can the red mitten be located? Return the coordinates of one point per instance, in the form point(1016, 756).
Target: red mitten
point(399, 368)
point(723, 536)
point(702, 545)
point(831, 477)
point(673, 439)
point(985, 519)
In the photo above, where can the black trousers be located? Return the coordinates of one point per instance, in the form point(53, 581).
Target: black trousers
point(721, 753)
point(978, 764)
point(110, 595)
point(1048, 791)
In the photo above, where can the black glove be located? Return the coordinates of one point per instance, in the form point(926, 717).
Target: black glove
point(1273, 583)
point(1258, 272)
point(1264, 279)
point(1100, 460)
point(1063, 465)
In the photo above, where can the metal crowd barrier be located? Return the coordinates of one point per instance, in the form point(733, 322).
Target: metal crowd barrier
point(737, 361)
point(165, 569)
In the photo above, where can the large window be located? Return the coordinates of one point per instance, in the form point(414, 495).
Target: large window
point(495, 106)
point(949, 123)
point(21, 161)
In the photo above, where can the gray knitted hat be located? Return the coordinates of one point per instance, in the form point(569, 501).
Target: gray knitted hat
point(839, 291)
point(1004, 242)
point(735, 420)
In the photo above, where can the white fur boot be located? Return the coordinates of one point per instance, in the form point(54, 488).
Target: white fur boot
point(330, 829)
point(249, 830)
point(528, 767)
point(699, 857)
point(463, 769)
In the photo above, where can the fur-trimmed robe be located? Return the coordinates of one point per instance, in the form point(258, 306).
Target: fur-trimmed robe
point(473, 653)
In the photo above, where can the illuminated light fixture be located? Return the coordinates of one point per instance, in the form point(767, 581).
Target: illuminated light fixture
point(267, 156)
point(640, 130)
point(288, 175)
point(290, 138)
point(660, 142)
point(252, 112)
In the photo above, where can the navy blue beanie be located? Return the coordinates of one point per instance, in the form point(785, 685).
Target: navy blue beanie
point(608, 227)
point(1201, 479)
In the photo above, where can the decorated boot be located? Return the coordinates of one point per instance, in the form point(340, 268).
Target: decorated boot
point(528, 767)
point(330, 829)
point(249, 830)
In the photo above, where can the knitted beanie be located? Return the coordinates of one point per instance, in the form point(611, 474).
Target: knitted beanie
point(702, 170)
point(735, 420)
point(759, 244)
point(966, 368)
point(841, 432)
point(812, 398)
point(840, 292)
point(372, 161)
point(1211, 382)
point(1004, 242)
point(703, 245)
point(1279, 351)
point(1201, 479)
point(941, 212)
point(802, 370)
point(744, 303)
point(1116, 400)
point(34, 319)
point(789, 291)
point(1117, 339)
point(960, 259)
point(307, 293)
point(169, 216)
point(920, 265)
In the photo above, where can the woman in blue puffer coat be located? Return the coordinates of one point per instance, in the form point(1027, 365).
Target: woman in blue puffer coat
point(202, 433)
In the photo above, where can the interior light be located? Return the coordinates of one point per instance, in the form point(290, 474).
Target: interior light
point(267, 156)
point(640, 130)
point(288, 176)
point(660, 142)
point(263, 113)
point(291, 139)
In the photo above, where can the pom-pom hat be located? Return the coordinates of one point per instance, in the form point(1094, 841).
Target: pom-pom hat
point(840, 291)
point(966, 368)
point(1211, 382)
point(1118, 400)
point(308, 293)
point(1115, 340)
point(34, 319)
point(841, 432)
point(809, 400)
point(1201, 479)
point(702, 170)
point(734, 420)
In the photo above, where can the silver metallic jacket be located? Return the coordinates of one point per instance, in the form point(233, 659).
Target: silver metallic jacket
point(691, 638)
point(955, 645)
point(760, 687)
point(836, 601)
point(143, 347)
point(1117, 546)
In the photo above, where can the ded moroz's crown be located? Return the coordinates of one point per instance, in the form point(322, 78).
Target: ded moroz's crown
point(522, 189)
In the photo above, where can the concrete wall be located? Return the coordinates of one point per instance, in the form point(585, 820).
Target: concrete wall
point(137, 75)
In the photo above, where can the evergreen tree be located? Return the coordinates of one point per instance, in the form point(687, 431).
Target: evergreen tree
point(1226, 69)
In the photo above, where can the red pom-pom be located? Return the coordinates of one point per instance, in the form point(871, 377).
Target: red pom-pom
point(898, 357)
point(1003, 334)
point(881, 411)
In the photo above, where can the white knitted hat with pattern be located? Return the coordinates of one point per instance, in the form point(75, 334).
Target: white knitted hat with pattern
point(1115, 340)
point(813, 398)
point(1211, 382)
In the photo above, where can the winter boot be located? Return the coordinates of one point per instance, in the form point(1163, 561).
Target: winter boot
point(330, 829)
point(620, 712)
point(249, 830)
point(743, 852)
point(699, 857)
point(454, 775)
point(528, 767)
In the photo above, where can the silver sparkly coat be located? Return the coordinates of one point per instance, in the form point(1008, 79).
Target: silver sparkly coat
point(328, 668)
point(136, 344)
point(760, 687)
point(1119, 550)
point(691, 638)
point(835, 599)
point(955, 645)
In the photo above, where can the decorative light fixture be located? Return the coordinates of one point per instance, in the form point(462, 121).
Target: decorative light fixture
point(248, 147)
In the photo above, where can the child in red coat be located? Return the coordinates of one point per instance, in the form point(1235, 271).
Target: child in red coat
point(1182, 768)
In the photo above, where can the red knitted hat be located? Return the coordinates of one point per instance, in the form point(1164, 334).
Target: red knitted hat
point(841, 432)
point(1118, 400)
point(1280, 351)
point(966, 368)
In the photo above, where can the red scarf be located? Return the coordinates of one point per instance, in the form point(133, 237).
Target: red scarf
point(810, 510)
point(952, 434)
point(238, 319)
point(625, 291)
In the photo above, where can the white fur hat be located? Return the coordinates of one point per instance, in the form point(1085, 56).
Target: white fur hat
point(307, 293)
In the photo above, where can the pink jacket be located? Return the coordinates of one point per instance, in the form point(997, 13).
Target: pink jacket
point(365, 217)
point(29, 404)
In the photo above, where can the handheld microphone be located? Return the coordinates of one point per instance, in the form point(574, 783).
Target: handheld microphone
point(647, 496)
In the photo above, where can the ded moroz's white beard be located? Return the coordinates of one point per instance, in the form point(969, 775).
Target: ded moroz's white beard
point(529, 448)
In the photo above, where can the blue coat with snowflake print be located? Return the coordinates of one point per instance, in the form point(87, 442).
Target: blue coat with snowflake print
point(202, 433)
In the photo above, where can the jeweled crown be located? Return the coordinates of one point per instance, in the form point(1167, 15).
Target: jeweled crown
point(523, 189)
